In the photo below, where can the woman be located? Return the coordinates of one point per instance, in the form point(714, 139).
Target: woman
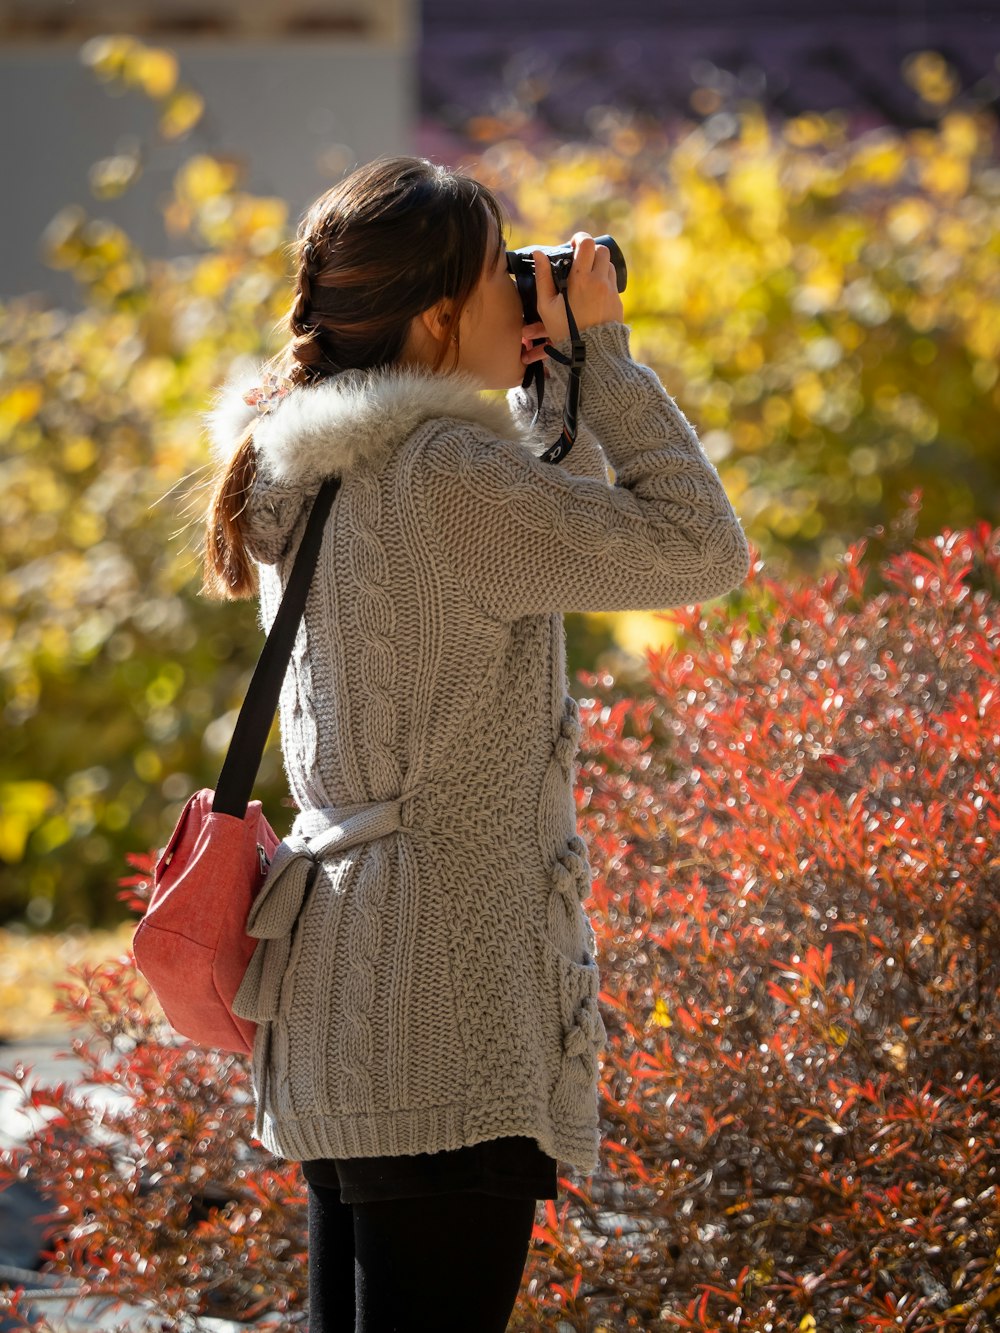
point(428, 1043)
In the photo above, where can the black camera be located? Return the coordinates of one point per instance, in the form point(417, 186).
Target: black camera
point(521, 264)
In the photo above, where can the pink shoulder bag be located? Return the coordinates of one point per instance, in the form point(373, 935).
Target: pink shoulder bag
point(192, 945)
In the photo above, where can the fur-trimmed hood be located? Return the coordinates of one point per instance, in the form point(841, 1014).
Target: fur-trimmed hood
point(347, 424)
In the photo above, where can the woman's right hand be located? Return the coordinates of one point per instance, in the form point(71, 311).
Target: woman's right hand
point(593, 289)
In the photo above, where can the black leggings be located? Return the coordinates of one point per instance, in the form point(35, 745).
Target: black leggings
point(441, 1262)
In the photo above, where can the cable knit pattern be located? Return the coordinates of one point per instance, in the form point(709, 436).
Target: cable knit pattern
point(426, 974)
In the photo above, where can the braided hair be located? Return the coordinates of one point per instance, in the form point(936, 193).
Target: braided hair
point(373, 252)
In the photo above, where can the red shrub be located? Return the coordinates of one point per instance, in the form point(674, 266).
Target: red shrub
point(797, 903)
point(798, 913)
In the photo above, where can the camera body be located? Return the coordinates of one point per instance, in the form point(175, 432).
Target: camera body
point(521, 264)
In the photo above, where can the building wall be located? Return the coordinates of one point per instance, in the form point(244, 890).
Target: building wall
point(297, 94)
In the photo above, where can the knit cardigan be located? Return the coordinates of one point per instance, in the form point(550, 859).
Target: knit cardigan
point(434, 982)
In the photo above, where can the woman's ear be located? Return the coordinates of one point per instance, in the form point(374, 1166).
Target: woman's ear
point(438, 319)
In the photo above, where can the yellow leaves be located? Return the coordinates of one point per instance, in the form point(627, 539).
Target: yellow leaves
point(635, 631)
point(808, 394)
point(879, 159)
point(206, 199)
point(755, 186)
point(181, 112)
point(109, 57)
point(86, 528)
point(163, 688)
point(148, 765)
point(19, 405)
point(963, 135)
point(749, 355)
point(31, 966)
point(23, 806)
point(807, 131)
point(931, 76)
point(212, 275)
point(154, 70)
point(78, 452)
point(203, 177)
point(111, 176)
point(944, 174)
point(100, 253)
point(129, 63)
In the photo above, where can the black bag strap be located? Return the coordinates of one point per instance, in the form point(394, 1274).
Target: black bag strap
point(246, 749)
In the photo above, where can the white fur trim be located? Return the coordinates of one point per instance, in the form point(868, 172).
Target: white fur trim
point(348, 423)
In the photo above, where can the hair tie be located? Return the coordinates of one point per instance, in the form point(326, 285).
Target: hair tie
point(267, 393)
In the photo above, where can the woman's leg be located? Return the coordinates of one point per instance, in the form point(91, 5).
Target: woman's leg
point(331, 1262)
point(443, 1262)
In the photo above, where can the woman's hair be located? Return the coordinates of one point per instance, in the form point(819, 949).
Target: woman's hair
point(386, 243)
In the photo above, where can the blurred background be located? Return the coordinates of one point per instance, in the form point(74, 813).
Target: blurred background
point(808, 203)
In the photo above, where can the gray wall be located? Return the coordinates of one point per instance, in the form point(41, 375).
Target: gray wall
point(296, 111)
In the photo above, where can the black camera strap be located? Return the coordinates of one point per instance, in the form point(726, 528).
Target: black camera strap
point(536, 375)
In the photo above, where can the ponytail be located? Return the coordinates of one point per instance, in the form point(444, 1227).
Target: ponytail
point(229, 571)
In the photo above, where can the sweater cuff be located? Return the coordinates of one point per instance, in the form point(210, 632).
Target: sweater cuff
point(605, 344)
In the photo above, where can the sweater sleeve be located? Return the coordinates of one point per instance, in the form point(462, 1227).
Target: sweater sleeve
point(526, 537)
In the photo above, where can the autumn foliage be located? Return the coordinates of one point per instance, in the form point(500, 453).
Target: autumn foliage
point(794, 831)
point(823, 304)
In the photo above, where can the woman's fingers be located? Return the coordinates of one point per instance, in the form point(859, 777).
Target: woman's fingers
point(545, 283)
point(592, 288)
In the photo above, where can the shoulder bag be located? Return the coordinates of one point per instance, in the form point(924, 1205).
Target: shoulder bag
point(191, 945)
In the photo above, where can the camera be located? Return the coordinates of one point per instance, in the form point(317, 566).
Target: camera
point(521, 264)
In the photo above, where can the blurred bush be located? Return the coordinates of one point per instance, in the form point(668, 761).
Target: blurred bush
point(796, 903)
point(825, 309)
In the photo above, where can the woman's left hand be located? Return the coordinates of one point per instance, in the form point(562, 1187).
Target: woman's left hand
point(530, 354)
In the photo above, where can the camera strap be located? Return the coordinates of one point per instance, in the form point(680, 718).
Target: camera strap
point(536, 374)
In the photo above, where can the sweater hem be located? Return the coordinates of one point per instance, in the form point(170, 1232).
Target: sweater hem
point(418, 1130)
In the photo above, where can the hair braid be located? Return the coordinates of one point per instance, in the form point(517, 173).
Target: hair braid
point(309, 357)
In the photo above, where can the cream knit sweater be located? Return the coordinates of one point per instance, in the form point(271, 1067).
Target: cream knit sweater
point(434, 982)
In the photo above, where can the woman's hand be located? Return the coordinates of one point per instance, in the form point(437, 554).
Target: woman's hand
point(593, 291)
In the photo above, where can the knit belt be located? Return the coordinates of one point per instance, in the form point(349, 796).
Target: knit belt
point(316, 834)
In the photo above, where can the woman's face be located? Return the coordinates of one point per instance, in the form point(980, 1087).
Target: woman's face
point(491, 327)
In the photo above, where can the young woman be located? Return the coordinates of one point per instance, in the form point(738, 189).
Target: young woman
point(429, 1025)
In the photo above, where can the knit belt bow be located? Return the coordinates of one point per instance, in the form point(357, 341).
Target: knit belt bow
point(316, 834)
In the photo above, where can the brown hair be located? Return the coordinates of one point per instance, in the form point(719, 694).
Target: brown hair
point(383, 245)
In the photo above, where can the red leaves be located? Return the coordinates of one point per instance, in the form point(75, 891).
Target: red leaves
point(796, 905)
point(797, 910)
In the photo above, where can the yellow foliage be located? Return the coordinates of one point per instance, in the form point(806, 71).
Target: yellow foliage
point(154, 70)
point(23, 806)
point(932, 77)
point(181, 112)
point(203, 177)
point(825, 309)
point(78, 452)
point(19, 405)
point(32, 966)
point(109, 57)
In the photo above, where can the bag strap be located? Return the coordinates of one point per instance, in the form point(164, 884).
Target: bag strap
point(246, 749)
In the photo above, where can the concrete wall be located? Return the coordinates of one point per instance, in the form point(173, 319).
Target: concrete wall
point(298, 110)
